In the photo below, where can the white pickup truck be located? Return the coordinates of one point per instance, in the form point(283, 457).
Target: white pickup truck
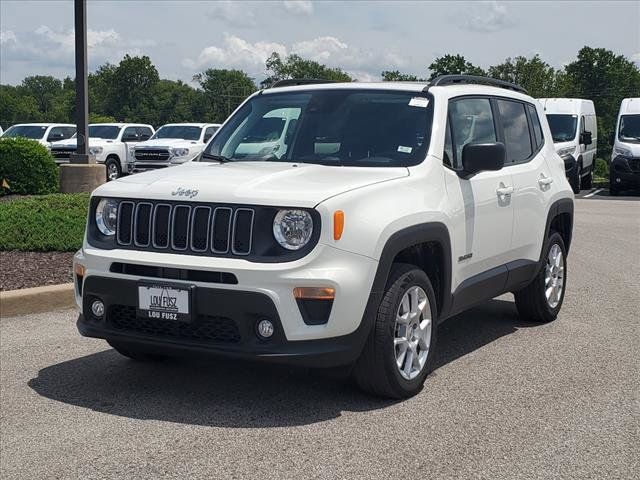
point(111, 144)
point(172, 144)
point(44, 133)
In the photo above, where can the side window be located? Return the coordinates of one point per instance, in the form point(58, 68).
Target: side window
point(447, 155)
point(144, 133)
point(582, 128)
point(537, 128)
point(56, 134)
point(471, 121)
point(208, 133)
point(130, 135)
point(516, 130)
point(69, 132)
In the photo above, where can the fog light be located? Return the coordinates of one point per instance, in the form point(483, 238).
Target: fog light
point(617, 180)
point(97, 308)
point(265, 328)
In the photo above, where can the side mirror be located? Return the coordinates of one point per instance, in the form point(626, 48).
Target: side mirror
point(480, 157)
point(585, 138)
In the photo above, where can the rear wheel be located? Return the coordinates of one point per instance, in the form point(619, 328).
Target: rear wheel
point(134, 353)
point(113, 169)
point(540, 301)
point(399, 352)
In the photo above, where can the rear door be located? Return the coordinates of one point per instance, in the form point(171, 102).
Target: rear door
point(483, 240)
point(531, 176)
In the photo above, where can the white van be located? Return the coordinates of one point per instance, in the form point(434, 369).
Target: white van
point(625, 158)
point(269, 136)
point(575, 134)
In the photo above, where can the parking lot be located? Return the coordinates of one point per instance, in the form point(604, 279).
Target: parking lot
point(508, 399)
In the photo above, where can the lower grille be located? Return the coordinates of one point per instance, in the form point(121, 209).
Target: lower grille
point(634, 164)
point(205, 328)
point(62, 153)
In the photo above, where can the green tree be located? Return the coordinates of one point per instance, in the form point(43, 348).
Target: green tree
point(535, 75)
point(16, 107)
point(294, 66)
point(453, 65)
point(45, 89)
point(396, 76)
point(223, 90)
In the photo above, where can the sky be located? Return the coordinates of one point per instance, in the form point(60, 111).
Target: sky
point(184, 37)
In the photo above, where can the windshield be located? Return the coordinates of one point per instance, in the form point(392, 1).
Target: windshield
point(28, 131)
point(109, 132)
point(563, 127)
point(329, 127)
point(629, 128)
point(184, 132)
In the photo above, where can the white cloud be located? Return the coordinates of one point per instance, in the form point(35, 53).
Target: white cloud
point(636, 58)
point(299, 7)
point(236, 52)
point(485, 17)
point(233, 14)
point(7, 37)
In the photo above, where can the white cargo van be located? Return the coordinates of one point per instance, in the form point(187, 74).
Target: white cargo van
point(625, 157)
point(575, 134)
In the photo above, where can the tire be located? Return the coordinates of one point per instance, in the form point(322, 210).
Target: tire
point(614, 190)
point(532, 301)
point(377, 371)
point(576, 179)
point(113, 168)
point(130, 351)
point(587, 182)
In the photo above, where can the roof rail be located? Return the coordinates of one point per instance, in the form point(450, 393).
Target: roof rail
point(443, 80)
point(291, 82)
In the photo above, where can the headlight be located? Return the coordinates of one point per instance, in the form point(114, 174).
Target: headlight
point(180, 152)
point(293, 228)
point(566, 151)
point(107, 216)
point(95, 150)
point(625, 152)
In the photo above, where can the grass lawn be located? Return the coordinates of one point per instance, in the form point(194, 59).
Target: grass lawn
point(44, 223)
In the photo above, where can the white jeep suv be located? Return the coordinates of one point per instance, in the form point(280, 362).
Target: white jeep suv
point(390, 208)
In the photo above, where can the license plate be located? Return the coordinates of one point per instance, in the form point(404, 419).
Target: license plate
point(164, 302)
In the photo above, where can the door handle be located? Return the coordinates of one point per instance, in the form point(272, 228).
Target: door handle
point(504, 191)
point(544, 181)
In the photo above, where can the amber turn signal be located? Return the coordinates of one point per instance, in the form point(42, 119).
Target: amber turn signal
point(78, 269)
point(338, 224)
point(314, 293)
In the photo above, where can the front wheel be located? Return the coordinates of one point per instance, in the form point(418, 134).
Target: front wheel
point(113, 169)
point(540, 301)
point(576, 179)
point(587, 182)
point(399, 351)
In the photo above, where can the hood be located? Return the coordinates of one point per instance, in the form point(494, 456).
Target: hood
point(257, 183)
point(93, 142)
point(169, 142)
point(634, 148)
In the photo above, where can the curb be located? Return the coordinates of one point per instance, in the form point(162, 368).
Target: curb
point(37, 300)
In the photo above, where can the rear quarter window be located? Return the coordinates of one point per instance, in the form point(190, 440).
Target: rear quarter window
point(516, 130)
point(537, 128)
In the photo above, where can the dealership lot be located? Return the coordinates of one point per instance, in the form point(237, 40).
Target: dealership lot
point(508, 399)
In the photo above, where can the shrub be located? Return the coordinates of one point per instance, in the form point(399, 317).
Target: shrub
point(601, 169)
point(45, 223)
point(26, 167)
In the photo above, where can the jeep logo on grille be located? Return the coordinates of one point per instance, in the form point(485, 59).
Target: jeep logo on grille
point(185, 192)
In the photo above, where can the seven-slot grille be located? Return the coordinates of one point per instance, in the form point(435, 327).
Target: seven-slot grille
point(185, 228)
point(151, 155)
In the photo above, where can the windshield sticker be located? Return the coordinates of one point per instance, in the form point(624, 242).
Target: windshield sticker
point(403, 149)
point(419, 102)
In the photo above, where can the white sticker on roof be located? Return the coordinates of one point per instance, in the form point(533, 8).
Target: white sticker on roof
point(419, 102)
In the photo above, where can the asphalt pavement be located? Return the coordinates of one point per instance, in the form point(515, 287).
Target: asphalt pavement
point(508, 400)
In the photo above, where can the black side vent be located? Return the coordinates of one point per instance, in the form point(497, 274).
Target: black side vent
point(242, 230)
point(180, 227)
point(124, 230)
point(221, 230)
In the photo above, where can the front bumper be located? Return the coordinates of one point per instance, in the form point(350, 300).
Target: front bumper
point(625, 172)
point(261, 291)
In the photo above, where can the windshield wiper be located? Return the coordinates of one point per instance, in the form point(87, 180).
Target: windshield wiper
point(217, 158)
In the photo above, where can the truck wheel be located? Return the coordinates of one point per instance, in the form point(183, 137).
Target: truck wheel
point(576, 179)
point(587, 182)
point(133, 353)
point(399, 352)
point(113, 169)
point(540, 301)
